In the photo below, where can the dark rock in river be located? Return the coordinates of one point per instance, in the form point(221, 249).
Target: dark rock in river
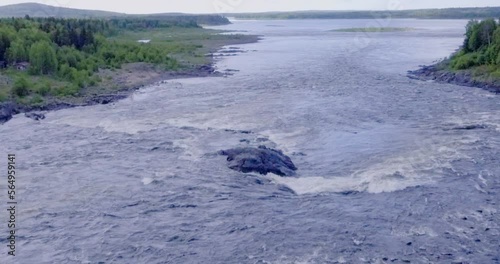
point(6, 112)
point(206, 69)
point(262, 160)
point(35, 116)
point(105, 99)
point(470, 127)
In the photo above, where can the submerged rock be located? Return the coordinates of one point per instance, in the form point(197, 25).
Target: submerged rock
point(470, 127)
point(262, 160)
point(6, 111)
point(35, 116)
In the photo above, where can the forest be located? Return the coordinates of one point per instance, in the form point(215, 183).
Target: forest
point(71, 51)
point(446, 13)
point(481, 49)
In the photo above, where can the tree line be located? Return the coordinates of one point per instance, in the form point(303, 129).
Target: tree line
point(447, 13)
point(167, 21)
point(73, 50)
point(481, 46)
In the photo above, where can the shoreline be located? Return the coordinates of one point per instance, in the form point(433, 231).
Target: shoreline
point(9, 109)
point(461, 78)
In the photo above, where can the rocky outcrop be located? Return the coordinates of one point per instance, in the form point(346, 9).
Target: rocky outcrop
point(262, 160)
point(35, 116)
point(6, 112)
point(462, 78)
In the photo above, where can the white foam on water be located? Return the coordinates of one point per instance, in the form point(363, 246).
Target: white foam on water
point(372, 184)
point(147, 181)
point(422, 231)
point(129, 127)
point(318, 254)
point(108, 123)
point(216, 119)
point(287, 141)
point(194, 121)
point(416, 168)
point(190, 149)
point(490, 119)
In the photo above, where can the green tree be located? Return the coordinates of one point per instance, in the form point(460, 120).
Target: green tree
point(43, 58)
point(472, 41)
point(496, 36)
point(17, 52)
point(6, 36)
point(487, 27)
point(479, 34)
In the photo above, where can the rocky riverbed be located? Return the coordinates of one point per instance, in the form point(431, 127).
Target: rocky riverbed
point(132, 80)
point(462, 78)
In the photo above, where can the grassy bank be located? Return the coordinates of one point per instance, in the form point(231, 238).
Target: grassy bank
point(188, 45)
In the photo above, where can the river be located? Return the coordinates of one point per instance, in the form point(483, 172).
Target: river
point(391, 170)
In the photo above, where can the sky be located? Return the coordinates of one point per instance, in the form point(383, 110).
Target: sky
point(234, 6)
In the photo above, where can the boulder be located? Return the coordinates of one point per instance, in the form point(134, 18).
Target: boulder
point(262, 160)
point(6, 112)
point(35, 116)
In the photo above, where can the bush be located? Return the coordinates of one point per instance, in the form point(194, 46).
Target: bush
point(465, 61)
point(481, 71)
point(21, 87)
point(44, 89)
point(94, 80)
point(491, 53)
point(36, 100)
point(481, 59)
point(70, 90)
point(3, 95)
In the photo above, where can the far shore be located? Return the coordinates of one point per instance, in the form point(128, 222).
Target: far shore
point(374, 29)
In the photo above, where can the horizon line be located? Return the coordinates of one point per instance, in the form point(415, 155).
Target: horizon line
point(254, 12)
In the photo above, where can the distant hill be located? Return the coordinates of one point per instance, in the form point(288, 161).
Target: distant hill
point(40, 10)
point(212, 20)
point(446, 13)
